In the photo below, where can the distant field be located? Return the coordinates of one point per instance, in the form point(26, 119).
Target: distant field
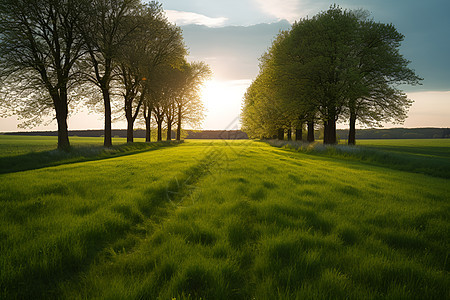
point(21, 153)
point(431, 157)
point(225, 220)
point(431, 147)
point(11, 145)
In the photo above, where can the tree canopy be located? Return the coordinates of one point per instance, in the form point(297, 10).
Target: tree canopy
point(40, 47)
point(175, 96)
point(103, 52)
point(335, 66)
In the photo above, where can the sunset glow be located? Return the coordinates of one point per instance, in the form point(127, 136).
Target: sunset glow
point(222, 100)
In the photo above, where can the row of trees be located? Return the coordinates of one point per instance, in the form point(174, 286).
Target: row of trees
point(338, 65)
point(57, 54)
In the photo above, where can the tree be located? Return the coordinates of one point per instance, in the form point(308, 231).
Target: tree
point(132, 94)
point(326, 41)
point(163, 47)
point(275, 101)
point(337, 64)
point(187, 103)
point(170, 117)
point(132, 62)
point(158, 113)
point(175, 95)
point(288, 83)
point(380, 68)
point(160, 95)
point(106, 30)
point(39, 50)
point(362, 63)
point(262, 114)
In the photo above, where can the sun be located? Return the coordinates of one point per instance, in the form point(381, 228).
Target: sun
point(222, 100)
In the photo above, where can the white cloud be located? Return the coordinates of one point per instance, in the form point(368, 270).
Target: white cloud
point(184, 18)
point(290, 10)
point(286, 9)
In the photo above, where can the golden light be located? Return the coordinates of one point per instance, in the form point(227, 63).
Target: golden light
point(222, 100)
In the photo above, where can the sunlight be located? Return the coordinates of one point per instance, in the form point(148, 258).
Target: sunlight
point(222, 100)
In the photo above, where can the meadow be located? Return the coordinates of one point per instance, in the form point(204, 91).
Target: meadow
point(225, 220)
point(425, 156)
point(19, 153)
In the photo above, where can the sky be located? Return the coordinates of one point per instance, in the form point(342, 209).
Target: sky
point(231, 35)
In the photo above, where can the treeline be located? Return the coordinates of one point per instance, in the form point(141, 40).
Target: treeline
point(388, 133)
point(117, 56)
point(385, 133)
point(139, 133)
point(399, 133)
point(339, 65)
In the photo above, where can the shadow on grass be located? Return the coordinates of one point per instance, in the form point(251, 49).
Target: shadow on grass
point(65, 258)
point(397, 158)
point(38, 160)
point(116, 228)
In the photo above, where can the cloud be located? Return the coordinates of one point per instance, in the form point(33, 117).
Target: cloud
point(293, 10)
point(185, 18)
point(286, 9)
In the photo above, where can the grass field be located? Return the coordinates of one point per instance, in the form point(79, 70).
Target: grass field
point(19, 153)
point(429, 157)
point(226, 220)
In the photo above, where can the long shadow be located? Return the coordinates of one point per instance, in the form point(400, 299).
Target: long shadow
point(157, 205)
point(38, 160)
point(45, 283)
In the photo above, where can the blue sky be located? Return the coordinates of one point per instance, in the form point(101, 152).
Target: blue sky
point(231, 35)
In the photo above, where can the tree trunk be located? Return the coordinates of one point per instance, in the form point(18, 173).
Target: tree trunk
point(352, 129)
point(148, 118)
point(61, 117)
point(179, 124)
point(179, 132)
point(298, 134)
point(280, 134)
point(108, 128)
point(129, 117)
point(289, 134)
point(329, 137)
point(310, 137)
point(159, 130)
point(169, 130)
point(130, 137)
point(333, 135)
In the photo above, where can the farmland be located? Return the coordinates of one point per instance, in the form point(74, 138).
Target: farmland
point(224, 220)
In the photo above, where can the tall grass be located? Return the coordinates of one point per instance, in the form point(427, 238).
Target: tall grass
point(20, 156)
point(13, 145)
point(431, 157)
point(224, 220)
point(55, 222)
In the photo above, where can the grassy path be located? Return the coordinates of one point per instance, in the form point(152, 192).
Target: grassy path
point(223, 220)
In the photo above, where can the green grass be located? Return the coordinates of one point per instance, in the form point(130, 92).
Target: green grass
point(13, 145)
point(224, 220)
point(431, 157)
point(434, 149)
point(21, 153)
